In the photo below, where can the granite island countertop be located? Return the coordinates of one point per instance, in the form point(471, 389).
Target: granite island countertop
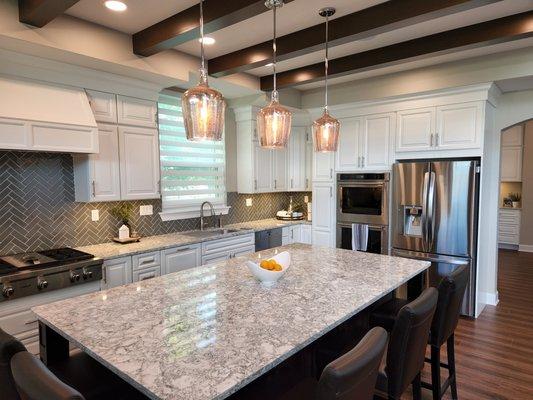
point(112, 250)
point(206, 332)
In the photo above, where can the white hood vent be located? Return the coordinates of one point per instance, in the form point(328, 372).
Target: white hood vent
point(41, 117)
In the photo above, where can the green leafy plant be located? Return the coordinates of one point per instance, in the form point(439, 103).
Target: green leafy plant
point(123, 212)
point(515, 197)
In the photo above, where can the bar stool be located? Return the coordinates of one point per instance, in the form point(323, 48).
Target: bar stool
point(407, 347)
point(353, 375)
point(35, 382)
point(80, 372)
point(451, 293)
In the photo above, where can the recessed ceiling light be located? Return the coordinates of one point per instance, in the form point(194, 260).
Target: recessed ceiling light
point(208, 41)
point(114, 5)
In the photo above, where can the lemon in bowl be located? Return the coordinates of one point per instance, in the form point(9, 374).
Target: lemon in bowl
point(270, 270)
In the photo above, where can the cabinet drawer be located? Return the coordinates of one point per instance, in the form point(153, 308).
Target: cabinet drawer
point(18, 323)
point(180, 258)
point(214, 258)
point(146, 273)
point(243, 251)
point(228, 244)
point(146, 260)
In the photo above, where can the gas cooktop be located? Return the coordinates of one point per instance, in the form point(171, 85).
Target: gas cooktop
point(44, 259)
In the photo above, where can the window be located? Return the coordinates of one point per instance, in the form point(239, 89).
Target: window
point(191, 172)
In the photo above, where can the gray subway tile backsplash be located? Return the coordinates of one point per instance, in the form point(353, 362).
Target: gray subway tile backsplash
point(38, 211)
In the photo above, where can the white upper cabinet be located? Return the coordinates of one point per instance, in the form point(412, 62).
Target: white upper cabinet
point(511, 164)
point(415, 129)
point(309, 162)
point(297, 155)
point(459, 126)
point(279, 168)
point(136, 112)
point(97, 176)
point(513, 136)
point(348, 156)
point(139, 163)
point(375, 143)
point(104, 106)
point(263, 181)
point(323, 166)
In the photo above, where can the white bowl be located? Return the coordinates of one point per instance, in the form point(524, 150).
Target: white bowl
point(270, 277)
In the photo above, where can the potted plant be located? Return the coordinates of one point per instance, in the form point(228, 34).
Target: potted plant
point(123, 212)
point(516, 199)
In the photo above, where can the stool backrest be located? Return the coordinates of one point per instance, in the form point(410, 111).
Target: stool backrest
point(9, 346)
point(35, 382)
point(353, 375)
point(408, 342)
point(451, 293)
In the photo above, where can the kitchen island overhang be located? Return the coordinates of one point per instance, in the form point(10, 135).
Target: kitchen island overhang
point(207, 332)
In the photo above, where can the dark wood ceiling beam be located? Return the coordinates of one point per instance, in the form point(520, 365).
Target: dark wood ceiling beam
point(381, 18)
point(500, 30)
point(184, 26)
point(40, 12)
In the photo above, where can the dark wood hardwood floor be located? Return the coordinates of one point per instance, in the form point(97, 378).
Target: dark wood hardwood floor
point(494, 354)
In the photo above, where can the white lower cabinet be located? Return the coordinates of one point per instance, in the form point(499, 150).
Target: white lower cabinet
point(223, 249)
point(296, 234)
point(146, 266)
point(117, 272)
point(509, 222)
point(307, 236)
point(180, 258)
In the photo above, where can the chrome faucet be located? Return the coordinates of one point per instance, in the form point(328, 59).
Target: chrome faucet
point(202, 223)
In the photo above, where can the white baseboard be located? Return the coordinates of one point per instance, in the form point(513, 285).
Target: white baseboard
point(505, 246)
point(526, 247)
point(490, 299)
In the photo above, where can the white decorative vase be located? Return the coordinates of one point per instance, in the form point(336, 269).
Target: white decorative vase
point(516, 204)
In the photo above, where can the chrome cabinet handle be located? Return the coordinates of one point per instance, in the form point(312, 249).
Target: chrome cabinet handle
point(104, 274)
point(292, 183)
point(31, 321)
point(149, 260)
point(330, 191)
point(431, 140)
point(255, 184)
point(94, 188)
point(362, 161)
point(436, 140)
point(145, 278)
point(331, 173)
point(306, 182)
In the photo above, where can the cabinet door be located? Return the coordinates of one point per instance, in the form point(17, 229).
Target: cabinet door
point(215, 258)
point(513, 136)
point(309, 164)
point(306, 234)
point(415, 129)
point(297, 159)
point(296, 234)
point(263, 180)
point(459, 126)
point(136, 112)
point(139, 163)
point(376, 142)
point(348, 157)
point(105, 166)
point(323, 214)
point(180, 258)
point(511, 164)
point(104, 106)
point(117, 272)
point(279, 169)
point(323, 164)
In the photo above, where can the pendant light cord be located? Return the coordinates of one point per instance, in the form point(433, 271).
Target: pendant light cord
point(202, 52)
point(274, 51)
point(326, 63)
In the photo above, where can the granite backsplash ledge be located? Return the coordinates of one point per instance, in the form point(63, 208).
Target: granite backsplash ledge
point(38, 211)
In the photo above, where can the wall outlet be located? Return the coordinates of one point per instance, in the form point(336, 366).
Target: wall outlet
point(249, 202)
point(306, 199)
point(95, 215)
point(146, 210)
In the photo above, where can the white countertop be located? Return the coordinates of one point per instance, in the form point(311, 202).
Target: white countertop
point(151, 243)
point(204, 333)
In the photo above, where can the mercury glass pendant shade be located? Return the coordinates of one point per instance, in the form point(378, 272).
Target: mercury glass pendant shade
point(274, 124)
point(203, 112)
point(326, 133)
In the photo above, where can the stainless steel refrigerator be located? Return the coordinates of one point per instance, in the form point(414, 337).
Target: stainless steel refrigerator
point(435, 217)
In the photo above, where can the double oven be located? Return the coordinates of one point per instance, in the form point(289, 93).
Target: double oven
point(363, 199)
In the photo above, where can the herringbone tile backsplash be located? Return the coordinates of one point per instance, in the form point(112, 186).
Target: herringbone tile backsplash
point(37, 208)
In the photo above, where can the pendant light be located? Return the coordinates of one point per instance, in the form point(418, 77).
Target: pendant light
point(274, 120)
point(326, 128)
point(203, 107)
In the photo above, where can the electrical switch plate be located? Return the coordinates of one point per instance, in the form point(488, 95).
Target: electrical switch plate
point(248, 202)
point(306, 199)
point(95, 215)
point(146, 210)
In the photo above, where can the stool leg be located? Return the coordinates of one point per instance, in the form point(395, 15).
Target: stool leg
point(451, 365)
point(435, 372)
point(417, 388)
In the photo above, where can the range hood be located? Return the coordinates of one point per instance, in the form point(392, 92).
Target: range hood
point(40, 117)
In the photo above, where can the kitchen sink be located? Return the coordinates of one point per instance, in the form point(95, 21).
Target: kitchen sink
point(211, 232)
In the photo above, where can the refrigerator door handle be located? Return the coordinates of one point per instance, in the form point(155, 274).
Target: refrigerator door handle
point(431, 257)
point(425, 212)
point(431, 211)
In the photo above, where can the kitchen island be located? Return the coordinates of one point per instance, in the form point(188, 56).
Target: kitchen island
point(207, 332)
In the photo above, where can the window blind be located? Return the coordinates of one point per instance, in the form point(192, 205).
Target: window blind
point(191, 172)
